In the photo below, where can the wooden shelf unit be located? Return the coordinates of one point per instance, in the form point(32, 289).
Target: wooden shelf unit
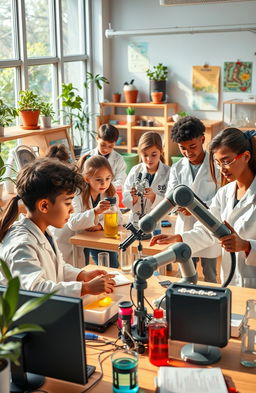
point(132, 132)
point(232, 107)
point(43, 137)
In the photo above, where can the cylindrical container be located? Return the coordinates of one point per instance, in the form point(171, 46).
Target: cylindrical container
point(111, 219)
point(125, 372)
point(119, 192)
point(157, 230)
point(248, 335)
point(103, 259)
point(125, 257)
point(125, 315)
point(158, 339)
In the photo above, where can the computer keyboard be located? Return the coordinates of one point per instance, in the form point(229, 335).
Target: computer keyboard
point(90, 370)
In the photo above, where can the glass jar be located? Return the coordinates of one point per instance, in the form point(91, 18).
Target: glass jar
point(248, 335)
point(111, 219)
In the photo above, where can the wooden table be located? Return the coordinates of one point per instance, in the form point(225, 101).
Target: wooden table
point(244, 378)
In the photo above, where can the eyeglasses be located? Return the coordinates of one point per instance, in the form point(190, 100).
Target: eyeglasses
point(226, 163)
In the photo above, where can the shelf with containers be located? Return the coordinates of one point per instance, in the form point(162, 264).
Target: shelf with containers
point(244, 121)
point(154, 116)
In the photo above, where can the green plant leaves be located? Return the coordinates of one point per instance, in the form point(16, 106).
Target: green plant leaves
point(30, 306)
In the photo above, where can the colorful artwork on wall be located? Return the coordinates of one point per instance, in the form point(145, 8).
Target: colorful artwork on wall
point(205, 88)
point(237, 76)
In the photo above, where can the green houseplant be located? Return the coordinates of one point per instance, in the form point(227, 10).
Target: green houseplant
point(97, 80)
point(7, 114)
point(47, 113)
point(157, 79)
point(3, 176)
point(29, 105)
point(9, 323)
point(130, 115)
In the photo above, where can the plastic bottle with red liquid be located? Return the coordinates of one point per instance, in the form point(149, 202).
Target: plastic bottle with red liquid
point(158, 339)
point(119, 192)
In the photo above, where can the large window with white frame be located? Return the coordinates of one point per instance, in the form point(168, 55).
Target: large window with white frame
point(42, 45)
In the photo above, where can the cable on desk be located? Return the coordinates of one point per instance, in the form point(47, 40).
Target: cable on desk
point(148, 303)
point(159, 305)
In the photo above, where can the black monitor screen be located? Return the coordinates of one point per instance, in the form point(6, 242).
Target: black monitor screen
point(59, 351)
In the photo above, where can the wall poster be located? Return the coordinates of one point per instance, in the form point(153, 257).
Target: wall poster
point(237, 76)
point(205, 88)
point(138, 57)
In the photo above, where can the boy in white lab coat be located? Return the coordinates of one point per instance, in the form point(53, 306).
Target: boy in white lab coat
point(46, 187)
point(193, 170)
point(107, 136)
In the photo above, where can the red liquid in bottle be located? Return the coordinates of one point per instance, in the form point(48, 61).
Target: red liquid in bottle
point(120, 197)
point(158, 339)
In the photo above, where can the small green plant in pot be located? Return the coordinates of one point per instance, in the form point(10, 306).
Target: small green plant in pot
point(130, 115)
point(7, 115)
point(157, 79)
point(29, 105)
point(3, 175)
point(9, 323)
point(47, 113)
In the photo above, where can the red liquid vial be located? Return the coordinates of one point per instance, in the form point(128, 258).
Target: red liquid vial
point(120, 196)
point(158, 339)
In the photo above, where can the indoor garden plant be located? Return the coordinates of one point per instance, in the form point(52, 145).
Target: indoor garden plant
point(7, 115)
point(29, 105)
point(97, 80)
point(130, 115)
point(157, 79)
point(9, 324)
point(47, 113)
point(130, 92)
point(5, 178)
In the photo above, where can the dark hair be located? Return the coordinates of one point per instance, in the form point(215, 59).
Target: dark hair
point(88, 167)
point(108, 133)
point(58, 151)
point(42, 178)
point(235, 140)
point(187, 128)
point(149, 139)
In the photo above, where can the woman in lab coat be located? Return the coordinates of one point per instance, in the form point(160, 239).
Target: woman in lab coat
point(234, 154)
point(151, 152)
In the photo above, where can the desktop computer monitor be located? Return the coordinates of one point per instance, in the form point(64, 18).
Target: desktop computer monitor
point(59, 351)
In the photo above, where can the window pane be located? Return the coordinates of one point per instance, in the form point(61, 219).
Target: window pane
point(72, 21)
point(38, 28)
point(7, 83)
point(73, 72)
point(40, 79)
point(6, 35)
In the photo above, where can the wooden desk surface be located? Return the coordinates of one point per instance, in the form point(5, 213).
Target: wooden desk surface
point(243, 378)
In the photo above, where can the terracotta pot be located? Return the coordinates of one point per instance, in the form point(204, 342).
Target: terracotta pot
point(157, 86)
point(30, 119)
point(157, 97)
point(130, 96)
point(116, 97)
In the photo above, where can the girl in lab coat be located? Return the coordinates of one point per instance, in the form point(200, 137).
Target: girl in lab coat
point(153, 168)
point(234, 154)
point(46, 187)
point(90, 205)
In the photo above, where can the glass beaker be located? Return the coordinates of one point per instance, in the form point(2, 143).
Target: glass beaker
point(125, 371)
point(103, 259)
point(125, 257)
point(111, 219)
point(248, 335)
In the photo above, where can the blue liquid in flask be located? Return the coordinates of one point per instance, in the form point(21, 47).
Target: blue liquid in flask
point(125, 377)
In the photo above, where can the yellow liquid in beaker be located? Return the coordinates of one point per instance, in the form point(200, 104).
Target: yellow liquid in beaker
point(111, 225)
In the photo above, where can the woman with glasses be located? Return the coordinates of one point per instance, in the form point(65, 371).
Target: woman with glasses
point(234, 155)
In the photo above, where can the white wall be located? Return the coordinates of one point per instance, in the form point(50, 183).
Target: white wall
point(180, 52)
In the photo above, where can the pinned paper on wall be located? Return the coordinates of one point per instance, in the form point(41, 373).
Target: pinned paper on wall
point(138, 57)
point(205, 88)
point(237, 76)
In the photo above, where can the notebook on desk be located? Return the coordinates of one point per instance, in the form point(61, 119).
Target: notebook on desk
point(120, 278)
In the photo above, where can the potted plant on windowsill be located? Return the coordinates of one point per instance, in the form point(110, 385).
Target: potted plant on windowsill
point(9, 327)
point(47, 113)
point(29, 109)
point(7, 114)
point(157, 79)
point(4, 178)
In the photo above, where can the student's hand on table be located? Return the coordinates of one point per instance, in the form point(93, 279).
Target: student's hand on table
point(99, 284)
point(149, 194)
point(87, 276)
point(134, 196)
point(95, 228)
point(183, 211)
point(165, 239)
point(102, 207)
point(233, 242)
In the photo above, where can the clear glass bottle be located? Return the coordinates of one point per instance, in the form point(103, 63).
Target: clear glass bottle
point(248, 335)
point(111, 219)
point(158, 339)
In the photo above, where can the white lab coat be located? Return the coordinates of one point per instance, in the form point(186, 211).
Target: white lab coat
point(80, 220)
point(117, 164)
point(203, 186)
point(30, 256)
point(158, 185)
point(242, 217)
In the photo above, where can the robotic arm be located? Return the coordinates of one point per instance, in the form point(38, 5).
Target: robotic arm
point(184, 197)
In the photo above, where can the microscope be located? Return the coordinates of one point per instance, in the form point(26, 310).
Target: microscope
point(140, 185)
